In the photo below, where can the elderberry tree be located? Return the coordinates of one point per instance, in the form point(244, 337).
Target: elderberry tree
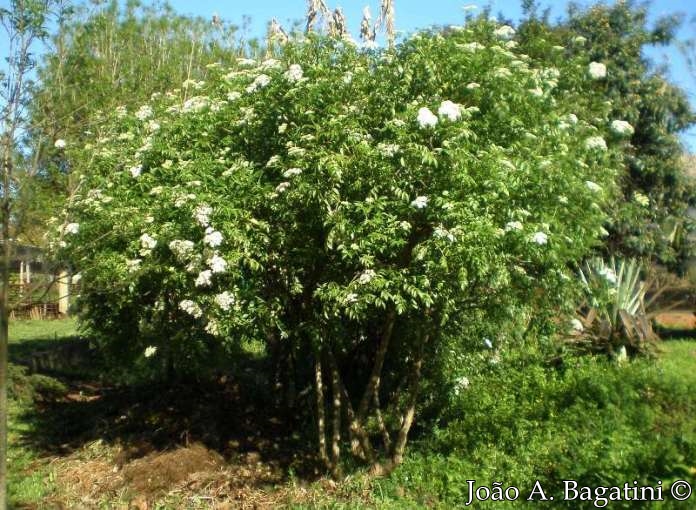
point(354, 208)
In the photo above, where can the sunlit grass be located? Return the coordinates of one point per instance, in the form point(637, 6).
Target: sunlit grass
point(21, 330)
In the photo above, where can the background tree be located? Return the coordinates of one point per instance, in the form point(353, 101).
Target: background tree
point(108, 55)
point(25, 24)
point(650, 220)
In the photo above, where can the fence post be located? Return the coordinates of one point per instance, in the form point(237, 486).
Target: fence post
point(63, 293)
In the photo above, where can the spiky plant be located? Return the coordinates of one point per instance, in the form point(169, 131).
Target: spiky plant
point(614, 315)
point(368, 33)
point(315, 10)
point(337, 24)
point(386, 20)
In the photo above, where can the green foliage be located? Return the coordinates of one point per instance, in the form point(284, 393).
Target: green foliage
point(27, 387)
point(589, 420)
point(325, 191)
point(317, 201)
point(106, 55)
point(649, 222)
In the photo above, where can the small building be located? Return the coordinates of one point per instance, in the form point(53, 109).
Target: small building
point(37, 290)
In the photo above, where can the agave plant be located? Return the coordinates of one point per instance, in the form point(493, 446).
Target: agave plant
point(614, 318)
point(614, 286)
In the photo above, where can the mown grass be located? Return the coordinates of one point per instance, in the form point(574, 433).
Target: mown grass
point(588, 419)
point(21, 331)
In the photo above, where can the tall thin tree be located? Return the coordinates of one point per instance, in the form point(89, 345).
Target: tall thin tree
point(24, 23)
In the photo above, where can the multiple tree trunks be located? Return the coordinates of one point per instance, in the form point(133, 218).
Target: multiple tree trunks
point(334, 406)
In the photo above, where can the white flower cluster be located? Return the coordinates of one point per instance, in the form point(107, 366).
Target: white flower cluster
point(217, 264)
point(593, 186)
point(270, 63)
point(202, 214)
point(147, 242)
point(597, 70)
point(450, 110)
point(540, 238)
point(195, 104)
point(426, 118)
point(447, 109)
point(596, 143)
point(59, 144)
point(182, 199)
point(506, 32)
point(460, 384)
point(282, 187)
point(193, 84)
point(133, 265)
point(182, 249)
point(204, 278)
point(388, 150)
point(212, 238)
point(150, 351)
point(71, 228)
point(471, 47)
point(622, 128)
point(212, 328)
point(260, 82)
point(294, 73)
point(225, 300)
point(442, 233)
point(366, 276)
point(420, 202)
point(191, 308)
point(292, 172)
point(144, 112)
point(135, 171)
point(513, 225)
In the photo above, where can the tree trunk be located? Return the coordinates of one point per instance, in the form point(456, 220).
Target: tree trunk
point(321, 414)
point(409, 414)
point(373, 383)
point(360, 442)
point(336, 425)
point(4, 319)
point(380, 422)
point(397, 454)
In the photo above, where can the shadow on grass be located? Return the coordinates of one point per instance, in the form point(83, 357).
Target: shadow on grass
point(232, 415)
point(675, 333)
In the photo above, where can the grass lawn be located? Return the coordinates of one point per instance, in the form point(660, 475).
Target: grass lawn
point(32, 330)
point(80, 444)
point(30, 479)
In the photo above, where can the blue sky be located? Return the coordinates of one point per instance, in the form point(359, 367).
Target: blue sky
point(414, 14)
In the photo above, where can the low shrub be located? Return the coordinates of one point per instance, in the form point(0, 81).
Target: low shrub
point(585, 419)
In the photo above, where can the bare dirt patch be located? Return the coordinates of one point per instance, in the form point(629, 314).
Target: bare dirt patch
point(186, 477)
point(159, 472)
point(186, 445)
point(683, 320)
